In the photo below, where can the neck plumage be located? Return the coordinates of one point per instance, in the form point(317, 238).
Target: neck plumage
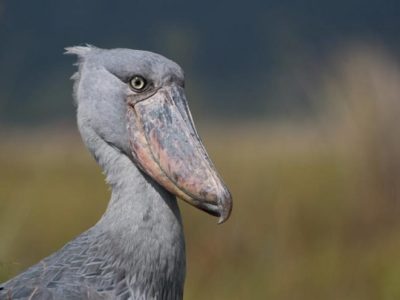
point(143, 225)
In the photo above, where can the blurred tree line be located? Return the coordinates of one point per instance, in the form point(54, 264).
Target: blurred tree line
point(242, 59)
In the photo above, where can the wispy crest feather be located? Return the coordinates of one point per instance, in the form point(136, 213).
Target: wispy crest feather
point(81, 52)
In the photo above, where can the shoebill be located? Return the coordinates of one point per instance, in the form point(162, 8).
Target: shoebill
point(134, 119)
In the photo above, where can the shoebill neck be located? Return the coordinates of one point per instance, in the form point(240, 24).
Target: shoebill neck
point(142, 222)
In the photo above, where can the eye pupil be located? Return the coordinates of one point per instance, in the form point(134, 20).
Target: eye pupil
point(137, 83)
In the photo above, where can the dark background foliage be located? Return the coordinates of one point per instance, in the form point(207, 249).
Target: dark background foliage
point(241, 57)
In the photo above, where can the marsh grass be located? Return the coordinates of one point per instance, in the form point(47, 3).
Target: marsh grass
point(316, 204)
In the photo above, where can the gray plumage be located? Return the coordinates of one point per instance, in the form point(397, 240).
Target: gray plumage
point(136, 250)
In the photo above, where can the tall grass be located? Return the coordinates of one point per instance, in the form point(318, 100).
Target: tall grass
point(316, 204)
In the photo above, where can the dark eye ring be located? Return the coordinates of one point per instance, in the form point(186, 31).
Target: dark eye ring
point(138, 83)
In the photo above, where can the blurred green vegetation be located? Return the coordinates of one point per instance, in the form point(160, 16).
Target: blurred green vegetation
point(316, 201)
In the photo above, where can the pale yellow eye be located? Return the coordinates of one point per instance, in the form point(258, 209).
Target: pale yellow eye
point(137, 83)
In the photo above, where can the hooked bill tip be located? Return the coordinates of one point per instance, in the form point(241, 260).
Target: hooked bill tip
point(225, 209)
